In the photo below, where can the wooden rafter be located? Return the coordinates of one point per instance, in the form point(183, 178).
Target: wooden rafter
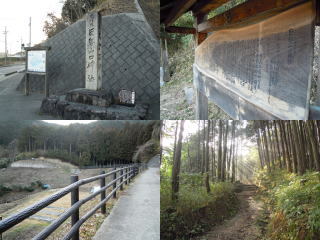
point(317, 4)
point(177, 10)
point(251, 11)
point(205, 6)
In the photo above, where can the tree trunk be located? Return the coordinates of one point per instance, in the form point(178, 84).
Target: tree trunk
point(176, 165)
point(220, 151)
point(207, 184)
point(266, 145)
point(225, 152)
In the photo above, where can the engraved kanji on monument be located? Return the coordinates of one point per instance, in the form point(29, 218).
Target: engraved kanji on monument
point(93, 51)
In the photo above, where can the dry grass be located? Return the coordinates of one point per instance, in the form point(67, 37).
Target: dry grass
point(173, 99)
point(30, 227)
point(110, 7)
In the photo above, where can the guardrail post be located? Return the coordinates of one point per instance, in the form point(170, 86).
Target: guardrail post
point(74, 200)
point(103, 193)
point(121, 179)
point(127, 170)
point(130, 169)
point(0, 233)
point(115, 184)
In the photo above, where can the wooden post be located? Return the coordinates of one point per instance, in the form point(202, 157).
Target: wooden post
point(130, 168)
point(103, 193)
point(46, 84)
point(74, 200)
point(201, 99)
point(317, 7)
point(0, 233)
point(26, 79)
point(121, 179)
point(115, 184)
point(201, 106)
point(126, 176)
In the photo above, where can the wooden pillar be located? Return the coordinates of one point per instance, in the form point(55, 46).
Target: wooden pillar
point(74, 200)
point(127, 176)
point(164, 59)
point(103, 193)
point(115, 184)
point(0, 233)
point(317, 7)
point(201, 99)
point(121, 180)
point(26, 79)
point(46, 84)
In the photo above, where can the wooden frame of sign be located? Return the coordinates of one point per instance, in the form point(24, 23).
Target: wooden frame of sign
point(41, 69)
point(260, 70)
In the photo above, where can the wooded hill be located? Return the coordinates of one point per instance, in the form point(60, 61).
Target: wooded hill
point(98, 143)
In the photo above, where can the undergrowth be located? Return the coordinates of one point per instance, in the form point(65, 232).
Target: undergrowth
point(196, 211)
point(294, 204)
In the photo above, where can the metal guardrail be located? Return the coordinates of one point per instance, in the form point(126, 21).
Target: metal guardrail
point(125, 176)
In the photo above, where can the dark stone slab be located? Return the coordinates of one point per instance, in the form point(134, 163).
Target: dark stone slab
point(59, 107)
point(101, 98)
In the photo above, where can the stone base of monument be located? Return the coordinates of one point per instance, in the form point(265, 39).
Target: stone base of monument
point(60, 107)
point(100, 98)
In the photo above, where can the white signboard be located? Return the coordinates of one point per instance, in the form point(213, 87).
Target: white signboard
point(36, 61)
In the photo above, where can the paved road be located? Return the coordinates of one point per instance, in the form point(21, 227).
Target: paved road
point(15, 105)
point(136, 215)
point(10, 69)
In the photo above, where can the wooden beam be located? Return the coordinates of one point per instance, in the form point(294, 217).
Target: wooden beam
point(200, 37)
point(177, 10)
point(247, 13)
point(181, 30)
point(317, 6)
point(205, 6)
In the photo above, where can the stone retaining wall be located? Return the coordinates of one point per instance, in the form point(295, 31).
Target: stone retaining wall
point(130, 58)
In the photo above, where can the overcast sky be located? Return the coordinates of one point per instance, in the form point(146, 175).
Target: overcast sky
point(68, 122)
point(15, 14)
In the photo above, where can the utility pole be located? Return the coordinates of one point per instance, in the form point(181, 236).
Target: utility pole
point(5, 44)
point(30, 33)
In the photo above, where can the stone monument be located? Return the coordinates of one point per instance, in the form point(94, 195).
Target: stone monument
point(93, 102)
point(93, 51)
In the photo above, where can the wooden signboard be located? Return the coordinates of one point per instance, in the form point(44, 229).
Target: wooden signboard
point(36, 64)
point(261, 71)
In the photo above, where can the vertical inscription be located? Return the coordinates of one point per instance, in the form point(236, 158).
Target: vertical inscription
point(93, 56)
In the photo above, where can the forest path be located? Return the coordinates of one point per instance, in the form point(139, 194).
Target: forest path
point(243, 226)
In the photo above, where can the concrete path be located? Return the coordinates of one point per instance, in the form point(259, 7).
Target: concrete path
point(15, 105)
point(136, 215)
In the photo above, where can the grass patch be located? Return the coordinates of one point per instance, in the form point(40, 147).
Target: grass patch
point(24, 230)
point(196, 211)
point(294, 204)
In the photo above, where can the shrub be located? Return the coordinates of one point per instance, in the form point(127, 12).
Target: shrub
point(4, 162)
point(196, 210)
point(4, 190)
point(295, 204)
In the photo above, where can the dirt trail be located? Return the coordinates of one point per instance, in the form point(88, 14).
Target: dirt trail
point(243, 226)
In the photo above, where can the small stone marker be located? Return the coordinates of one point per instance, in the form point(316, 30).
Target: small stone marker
point(93, 52)
point(127, 97)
